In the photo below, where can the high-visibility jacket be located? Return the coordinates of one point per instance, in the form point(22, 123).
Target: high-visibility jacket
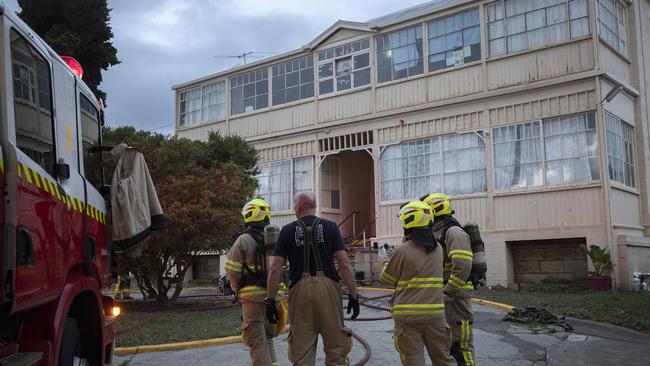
point(240, 257)
point(458, 259)
point(417, 277)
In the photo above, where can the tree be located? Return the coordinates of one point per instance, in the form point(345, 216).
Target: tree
point(77, 28)
point(202, 187)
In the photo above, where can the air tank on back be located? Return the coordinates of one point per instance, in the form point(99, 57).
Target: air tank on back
point(479, 265)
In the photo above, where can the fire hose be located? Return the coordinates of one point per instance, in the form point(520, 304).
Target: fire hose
point(364, 343)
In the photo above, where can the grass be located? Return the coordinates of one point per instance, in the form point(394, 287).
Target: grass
point(624, 308)
point(145, 323)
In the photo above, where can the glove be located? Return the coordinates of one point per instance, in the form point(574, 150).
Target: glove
point(272, 313)
point(353, 306)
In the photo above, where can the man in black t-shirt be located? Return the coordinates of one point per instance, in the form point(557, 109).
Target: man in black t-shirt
point(315, 301)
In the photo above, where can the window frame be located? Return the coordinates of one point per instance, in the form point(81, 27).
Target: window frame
point(623, 141)
point(309, 64)
point(246, 81)
point(82, 111)
point(424, 41)
point(620, 7)
point(543, 159)
point(34, 103)
point(330, 186)
point(440, 154)
point(430, 22)
point(335, 59)
point(505, 36)
point(292, 174)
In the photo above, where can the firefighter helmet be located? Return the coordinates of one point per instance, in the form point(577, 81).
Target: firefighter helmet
point(256, 210)
point(440, 204)
point(415, 214)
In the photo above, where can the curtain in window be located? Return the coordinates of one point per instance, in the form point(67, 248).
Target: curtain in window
point(517, 156)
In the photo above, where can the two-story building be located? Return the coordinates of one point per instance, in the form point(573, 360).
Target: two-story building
point(531, 114)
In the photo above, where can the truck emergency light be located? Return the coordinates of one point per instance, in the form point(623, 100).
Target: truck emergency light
point(74, 65)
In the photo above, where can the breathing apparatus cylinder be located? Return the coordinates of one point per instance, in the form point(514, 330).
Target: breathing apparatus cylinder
point(479, 265)
point(271, 233)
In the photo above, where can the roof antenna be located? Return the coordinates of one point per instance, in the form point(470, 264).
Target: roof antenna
point(243, 55)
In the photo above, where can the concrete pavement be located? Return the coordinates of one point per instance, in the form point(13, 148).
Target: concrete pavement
point(496, 342)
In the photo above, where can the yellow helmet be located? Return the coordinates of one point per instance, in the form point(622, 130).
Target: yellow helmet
point(256, 210)
point(440, 204)
point(415, 214)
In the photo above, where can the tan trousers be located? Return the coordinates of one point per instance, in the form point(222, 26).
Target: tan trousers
point(258, 333)
point(315, 307)
point(411, 339)
point(458, 311)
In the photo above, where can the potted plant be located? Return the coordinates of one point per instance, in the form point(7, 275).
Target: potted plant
point(602, 261)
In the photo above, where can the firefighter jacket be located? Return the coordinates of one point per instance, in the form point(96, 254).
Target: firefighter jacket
point(416, 274)
point(242, 270)
point(135, 207)
point(458, 258)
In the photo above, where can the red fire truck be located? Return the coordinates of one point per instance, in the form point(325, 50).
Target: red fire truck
point(54, 254)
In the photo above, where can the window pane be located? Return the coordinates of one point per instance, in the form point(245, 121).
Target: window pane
point(361, 61)
point(325, 70)
point(399, 54)
point(343, 82)
point(326, 86)
point(361, 78)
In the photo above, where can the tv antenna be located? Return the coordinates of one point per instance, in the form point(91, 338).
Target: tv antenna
point(242, 56)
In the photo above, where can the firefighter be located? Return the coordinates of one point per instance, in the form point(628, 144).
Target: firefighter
point(415, 270)
point(246, 268)
point(458, 264)
point(315, 296)
point(123, 282)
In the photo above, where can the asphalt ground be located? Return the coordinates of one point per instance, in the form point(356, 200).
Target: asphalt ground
point(496, 342)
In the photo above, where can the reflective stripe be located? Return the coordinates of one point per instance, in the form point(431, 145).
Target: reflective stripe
point(401, 355)
point(232, 268)
point(420, 282)
point(459, 251)
point(458, 256)
point(418, 312)
point(418, 306)
point(233, 263)
point(424, 309)
point(252, 291)
point(388, 278)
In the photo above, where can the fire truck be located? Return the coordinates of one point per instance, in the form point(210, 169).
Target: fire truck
point(55, 257)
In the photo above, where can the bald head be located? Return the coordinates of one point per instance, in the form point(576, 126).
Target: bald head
point(304, 203)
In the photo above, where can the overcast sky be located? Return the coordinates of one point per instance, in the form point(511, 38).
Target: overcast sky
point(165, 42)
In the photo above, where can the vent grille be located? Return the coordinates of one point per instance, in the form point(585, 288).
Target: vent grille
point(346, 142)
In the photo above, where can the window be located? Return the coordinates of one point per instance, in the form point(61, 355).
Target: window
point(203, 104)
point(518, 25)
point(330, 194)
point(249, 91)
point(565, 152)
point(454, 164)
point(620, 150)
point(344, 67)
point(399, 54)
point(303, 175)
point(293, 80)
point(213, 101)
point(32, 103)
point(571, 149)
point(275, 184)
point(454, 40)
point(190, 111)
point(276, 179)
point(611, 24)
point(90, 132)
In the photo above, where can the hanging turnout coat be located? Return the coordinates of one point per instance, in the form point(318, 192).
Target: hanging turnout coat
point(135, 207)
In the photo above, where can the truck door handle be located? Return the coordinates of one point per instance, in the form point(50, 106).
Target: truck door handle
point(24, 248)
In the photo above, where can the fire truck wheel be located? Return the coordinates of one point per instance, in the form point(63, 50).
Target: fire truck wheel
point(70, 353)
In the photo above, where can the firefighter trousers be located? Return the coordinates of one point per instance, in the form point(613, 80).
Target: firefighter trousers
point(258, 333)
point(412, 338)
point(458, 311)
point(315, 307)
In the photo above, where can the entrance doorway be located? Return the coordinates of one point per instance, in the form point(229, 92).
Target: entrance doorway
point(347, 193)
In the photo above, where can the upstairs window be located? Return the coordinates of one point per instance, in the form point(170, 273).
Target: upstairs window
point(611, 24)
point(344, 67)
point(293, 80)
point(454, 40)
point(32, 102)
point(620, 150)
point(249, 91)
point(518, 25)
point(190, 108)
point(90, 134)
point(399, 54)
point(279, 182)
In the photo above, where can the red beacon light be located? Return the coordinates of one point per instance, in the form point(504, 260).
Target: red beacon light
point(74, 65)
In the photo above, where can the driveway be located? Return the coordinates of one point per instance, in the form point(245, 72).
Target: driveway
point(497, 343)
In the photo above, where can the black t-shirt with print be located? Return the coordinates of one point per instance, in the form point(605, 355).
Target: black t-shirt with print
point(291, 244)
